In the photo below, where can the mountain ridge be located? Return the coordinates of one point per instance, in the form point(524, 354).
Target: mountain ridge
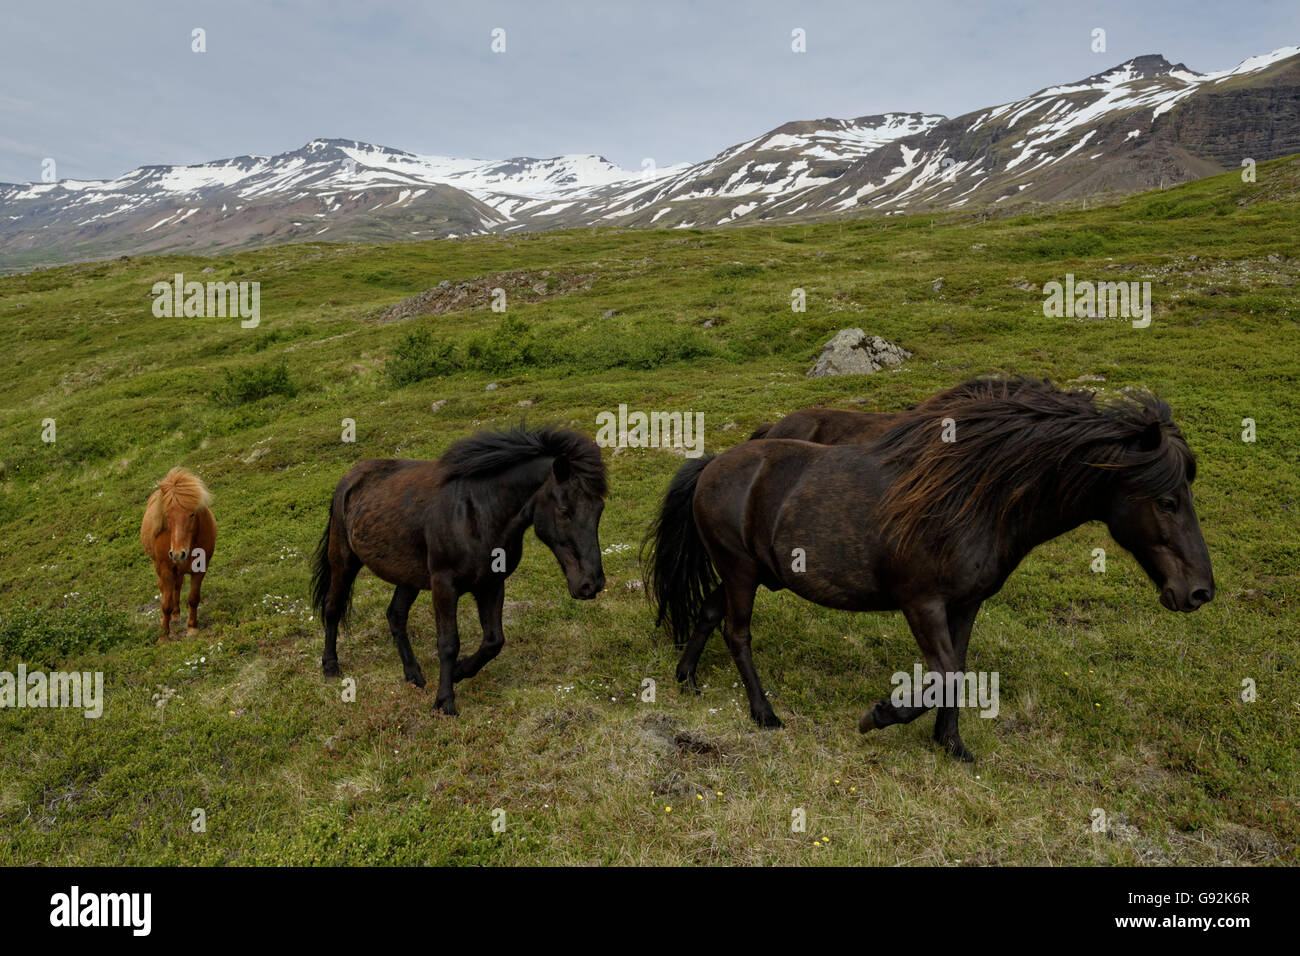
point(1143, 123)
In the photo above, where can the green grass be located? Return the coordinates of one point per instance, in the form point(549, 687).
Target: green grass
point(1107, 700)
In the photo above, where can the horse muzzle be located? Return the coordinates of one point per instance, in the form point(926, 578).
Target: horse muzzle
point(588, 589)
point(1189, 600)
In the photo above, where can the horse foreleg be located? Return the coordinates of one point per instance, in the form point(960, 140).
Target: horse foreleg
point(196, 584)
point(712, 612)
point(929, 623)
point(398, 609)
point(164, 604)
point(444, 614)
point(490, 604)
point(961, 619)
point(740, 592)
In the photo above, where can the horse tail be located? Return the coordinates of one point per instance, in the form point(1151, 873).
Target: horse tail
point(681, 575)
point(762, 430)
point(322, 575)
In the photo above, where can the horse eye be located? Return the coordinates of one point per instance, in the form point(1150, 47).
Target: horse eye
point(1167, 505)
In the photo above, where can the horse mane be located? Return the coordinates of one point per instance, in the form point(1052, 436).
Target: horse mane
point(1010, 435)
point(181, 488)
point(491, 452)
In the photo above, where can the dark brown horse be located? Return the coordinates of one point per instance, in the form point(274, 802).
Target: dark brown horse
point(918, 523)
point(454, 526)
point(829, 426)
point(844, 426)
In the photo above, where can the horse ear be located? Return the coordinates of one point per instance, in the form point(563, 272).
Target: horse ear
point(1151, 437)
point(562, 469)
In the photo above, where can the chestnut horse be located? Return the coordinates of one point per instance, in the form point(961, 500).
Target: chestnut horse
point(456, 525)
point(930, 519)
point(178, 532)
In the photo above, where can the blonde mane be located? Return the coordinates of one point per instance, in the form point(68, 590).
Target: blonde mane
point(180, 489)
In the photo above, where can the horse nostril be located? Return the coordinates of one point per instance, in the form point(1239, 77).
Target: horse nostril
point(1201, 596)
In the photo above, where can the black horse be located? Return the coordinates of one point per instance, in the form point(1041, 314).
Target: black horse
point(929, 518)
point(456, 525)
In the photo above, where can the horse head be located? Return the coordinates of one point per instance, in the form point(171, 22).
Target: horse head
point(1151, 514)
point(182, 499)
point(566, 518)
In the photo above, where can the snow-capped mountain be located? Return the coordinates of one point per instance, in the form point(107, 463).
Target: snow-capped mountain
point(1143, 123)
point(771, 169)
point(354, 190)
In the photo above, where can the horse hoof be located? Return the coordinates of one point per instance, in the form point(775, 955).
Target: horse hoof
point(768, 721)
point(958, 750)
point(446, 707)
point(416, 679)
point(871, 720)
point(331, 669)
point(191, 632)
point(687, 684)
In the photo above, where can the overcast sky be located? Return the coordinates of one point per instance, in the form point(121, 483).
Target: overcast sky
point(104, 86)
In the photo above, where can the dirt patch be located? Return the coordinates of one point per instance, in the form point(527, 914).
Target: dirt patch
point(519, 285)
point(1243, 844)
point(662, 732)
point(687, 742)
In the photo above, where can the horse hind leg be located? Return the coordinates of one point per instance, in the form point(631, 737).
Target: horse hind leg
point(711, 614)
point(344, 568)
point(398, 610)
point(740, 591)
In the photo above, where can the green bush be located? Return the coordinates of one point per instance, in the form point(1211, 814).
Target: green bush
point(44, 636)
point(243, 385)
point(508, 346)
point(419, 356)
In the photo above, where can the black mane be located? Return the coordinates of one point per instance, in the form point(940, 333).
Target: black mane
point(1013, 432)
point(490, 452)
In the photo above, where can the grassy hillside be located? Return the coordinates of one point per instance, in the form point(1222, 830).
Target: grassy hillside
point(1108, 701)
